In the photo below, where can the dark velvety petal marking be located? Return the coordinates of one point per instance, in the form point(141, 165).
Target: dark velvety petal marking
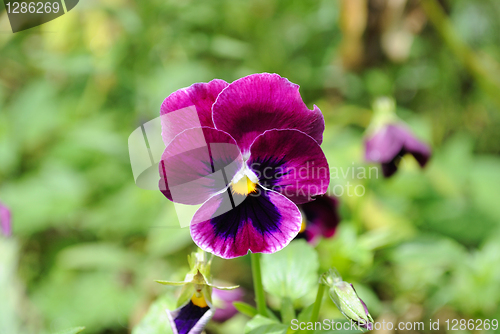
point(198, 163)
point(322, 217)
point(189, 319)
point(229, 225)
point(259, 102)
point(189, 108)
point(291, 163)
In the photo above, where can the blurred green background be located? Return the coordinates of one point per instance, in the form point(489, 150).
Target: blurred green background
point(88, 243)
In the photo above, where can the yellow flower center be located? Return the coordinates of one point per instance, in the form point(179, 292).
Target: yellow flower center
point(244, 186)
point(303, 226)
point(199, 300)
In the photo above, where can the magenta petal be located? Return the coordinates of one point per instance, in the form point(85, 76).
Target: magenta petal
point(198, 163)
point(189, 107)
point(291, 163)
point(259, 102)
point(231, 225)
point(5, 222)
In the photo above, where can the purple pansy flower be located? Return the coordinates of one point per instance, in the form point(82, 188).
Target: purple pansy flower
point(320, 218)
point(223, 302)
point(249, 159)
point(5, 220)
point(392, 141)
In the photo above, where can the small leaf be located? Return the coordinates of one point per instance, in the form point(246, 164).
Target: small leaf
point(305, 314)
point(291, 272)
point(245, 309)
point(263, 325)
point(75, 330)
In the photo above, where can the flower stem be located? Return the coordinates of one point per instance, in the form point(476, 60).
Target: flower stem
point(317, 303)
point(260, 298)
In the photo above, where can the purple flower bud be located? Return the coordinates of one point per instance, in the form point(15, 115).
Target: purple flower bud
point(5, 220)
point(392, 141)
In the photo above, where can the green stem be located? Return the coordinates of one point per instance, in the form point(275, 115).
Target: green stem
point(317, 303)
point(260, 297)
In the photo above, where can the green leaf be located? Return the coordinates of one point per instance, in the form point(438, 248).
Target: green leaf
point(75, 330)
point(156, 321)
point(245, 309)
point(305, 314)
point(291, 272)
point(262, 325)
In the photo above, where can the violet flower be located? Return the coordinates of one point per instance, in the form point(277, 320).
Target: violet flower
point(391, 142)
point(389, 139)
point(5, 221)
point(321, 218)
point(249, 159)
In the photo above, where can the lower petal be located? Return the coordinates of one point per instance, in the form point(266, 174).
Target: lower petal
point(229, 225)
point(189, 318)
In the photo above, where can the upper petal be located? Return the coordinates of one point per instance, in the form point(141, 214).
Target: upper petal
point(231, 225)
point(291, 163)
point(259, 102)
point(384, 145)
point(198, 163)
point(189, 108)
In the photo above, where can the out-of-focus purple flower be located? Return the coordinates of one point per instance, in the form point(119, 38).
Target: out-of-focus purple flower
point(5, 220)
point(320, 218)
point(253, 156)
point(387, 144)
point(223, 302)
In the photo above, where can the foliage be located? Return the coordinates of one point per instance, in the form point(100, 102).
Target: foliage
point(88, 244)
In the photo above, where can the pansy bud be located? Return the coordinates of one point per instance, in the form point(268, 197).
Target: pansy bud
point(194, 306)
point(346, 299)
point(388, 139)
point(5, 220)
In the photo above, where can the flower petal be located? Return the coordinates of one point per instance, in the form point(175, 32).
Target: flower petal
point(259, 102)
point(189, 108)
point(322, 217)
point(231, 225)
point(393, 140)
point(198, 163)
point(291, 163)
point(5, 221)
point(189, 318)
